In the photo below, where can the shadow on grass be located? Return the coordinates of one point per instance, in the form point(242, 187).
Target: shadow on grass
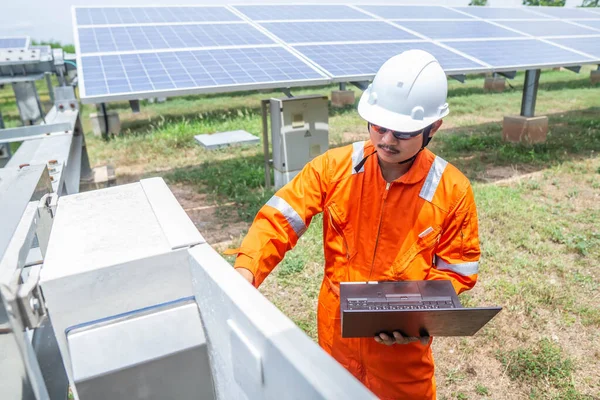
point(476, 150)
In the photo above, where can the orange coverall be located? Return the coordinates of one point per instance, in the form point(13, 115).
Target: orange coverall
point(423, 226)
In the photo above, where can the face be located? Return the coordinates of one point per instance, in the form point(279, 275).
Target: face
point(393, 150)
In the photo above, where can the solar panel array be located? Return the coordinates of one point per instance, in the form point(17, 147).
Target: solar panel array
point(136, 52)
point(17, 42)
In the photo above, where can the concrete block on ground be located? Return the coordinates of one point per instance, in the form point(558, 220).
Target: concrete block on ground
point(100, 178)
point(518, 129)
point(342, 98)
point(223, 139)
point(595, 76)
point(494, 84)
point(99, 126)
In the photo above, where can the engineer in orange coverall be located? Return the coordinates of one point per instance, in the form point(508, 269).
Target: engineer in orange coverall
point(392, 211)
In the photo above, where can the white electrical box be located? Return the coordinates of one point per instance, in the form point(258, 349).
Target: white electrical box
point(299, 133)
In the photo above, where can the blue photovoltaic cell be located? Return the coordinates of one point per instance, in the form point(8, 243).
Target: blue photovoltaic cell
point(548, 28)
point(148, 15)
point(588, 45)
point(300, 12)
point(514, 53)
point(414, 12)
point(591, 23)
point(339, 31)
point(365, 59)
point(563, 12)
point(500, 13)
point(462, 30)
point(181, 70)
point(128, 38)
point(13, 43)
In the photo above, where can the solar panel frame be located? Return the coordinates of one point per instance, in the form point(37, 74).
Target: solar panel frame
point(581, 44)
point(502, 13)
point(15, 42)
point(125, 38)
point(423, 12)
point(563, 12)
point(180, 72)
point(592, 23)
point(448, 30)
point(334, 56)
point(186, 11)
point(298, 12)
point(337, 31)
point(512, 45)
point(559, 28)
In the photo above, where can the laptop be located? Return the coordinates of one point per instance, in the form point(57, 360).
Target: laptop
point(413, 308)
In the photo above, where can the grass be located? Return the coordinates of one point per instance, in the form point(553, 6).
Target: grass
point(540, 236)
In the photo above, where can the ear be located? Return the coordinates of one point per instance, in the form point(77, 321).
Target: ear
point(435, 127)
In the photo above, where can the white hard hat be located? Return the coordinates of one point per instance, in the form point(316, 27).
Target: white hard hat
point(408, 93)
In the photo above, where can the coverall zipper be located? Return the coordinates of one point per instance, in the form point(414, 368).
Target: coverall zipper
point(385, 193)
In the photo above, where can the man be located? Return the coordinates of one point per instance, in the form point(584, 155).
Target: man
point(392, 211)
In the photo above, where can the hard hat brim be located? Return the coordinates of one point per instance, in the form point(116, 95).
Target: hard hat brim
point(378, 115)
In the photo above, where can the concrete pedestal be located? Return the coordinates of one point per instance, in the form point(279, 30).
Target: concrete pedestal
point(494, 84)
point(342, 98)
point(518, 129)
point(99, 126)
point(100, 178)
point(595, 76)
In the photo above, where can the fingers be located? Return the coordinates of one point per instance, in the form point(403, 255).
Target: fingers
point(403, 339)
point(397, 338)
point(384, 339)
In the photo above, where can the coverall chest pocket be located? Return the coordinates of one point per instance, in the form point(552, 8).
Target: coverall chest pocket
point(343, 229)
point(414, 263)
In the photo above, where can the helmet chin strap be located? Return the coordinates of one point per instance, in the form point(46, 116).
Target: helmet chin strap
point(426, 140)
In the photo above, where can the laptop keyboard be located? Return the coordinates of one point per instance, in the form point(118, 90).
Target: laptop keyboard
point(364, 305)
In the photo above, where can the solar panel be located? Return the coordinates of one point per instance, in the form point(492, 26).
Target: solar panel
point(519, 54)
point(588, 45)
point(548, 28)
point(363, 60)
point(591, 23)
point(564, 12)
point(128, 38)
point(414, 12)
point(462, 30)
point(183, 72)
point(338, 31)
point(300, 12)
point(14, 42)
point(499, 13)
point(149, 15)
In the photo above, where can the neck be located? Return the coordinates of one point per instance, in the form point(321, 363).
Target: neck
point(391, 171)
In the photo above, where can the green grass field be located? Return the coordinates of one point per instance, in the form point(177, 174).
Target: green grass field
point(540, 232)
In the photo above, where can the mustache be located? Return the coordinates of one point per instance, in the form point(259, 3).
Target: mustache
point(390, 149)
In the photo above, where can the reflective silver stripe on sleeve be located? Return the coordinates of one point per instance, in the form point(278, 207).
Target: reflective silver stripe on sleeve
point(464, 269)
point(358, 153)
point(289, 213)
point(433, 178)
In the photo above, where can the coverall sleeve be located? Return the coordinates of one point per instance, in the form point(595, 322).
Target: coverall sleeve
point(282, 221)
point(457, 253)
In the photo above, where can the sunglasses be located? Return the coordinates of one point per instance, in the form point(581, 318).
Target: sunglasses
point(398, 135)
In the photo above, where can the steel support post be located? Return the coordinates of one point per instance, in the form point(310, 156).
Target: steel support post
point(104, 114)
point(265, 132)
point(530, 88)
point(48, 77)
point(342, 85)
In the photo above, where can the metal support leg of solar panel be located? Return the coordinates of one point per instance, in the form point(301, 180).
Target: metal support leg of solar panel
point(527, 128)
